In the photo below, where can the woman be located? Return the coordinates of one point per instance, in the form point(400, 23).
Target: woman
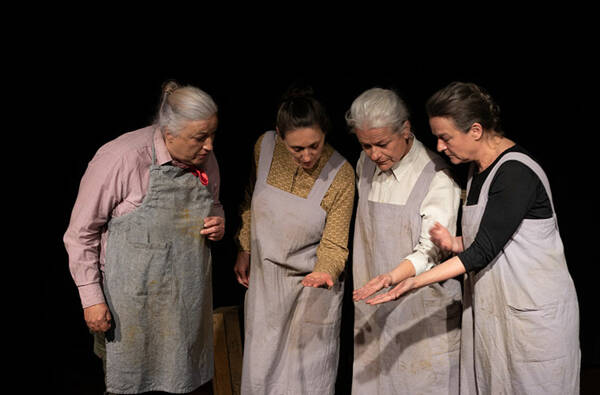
point(293, 250)
point(413, 346)
point(521, 317)
point(138, 249)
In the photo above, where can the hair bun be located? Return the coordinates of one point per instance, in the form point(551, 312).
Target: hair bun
point(169, 87)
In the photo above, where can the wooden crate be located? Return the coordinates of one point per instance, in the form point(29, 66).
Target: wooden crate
point(228, 351)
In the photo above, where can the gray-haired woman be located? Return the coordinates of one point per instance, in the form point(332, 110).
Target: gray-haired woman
point(137, 247)
point(411, 346)
point(520, 324)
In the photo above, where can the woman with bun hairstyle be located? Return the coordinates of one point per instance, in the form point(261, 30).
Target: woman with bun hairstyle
point(139, 248)
point(293, 249)
point(520, 321)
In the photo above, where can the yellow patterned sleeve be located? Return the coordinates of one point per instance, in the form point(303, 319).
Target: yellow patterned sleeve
point(243, 236)
point(338, 202)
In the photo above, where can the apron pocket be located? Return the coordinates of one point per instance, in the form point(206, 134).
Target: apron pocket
point(535, 334)
point(149, 270)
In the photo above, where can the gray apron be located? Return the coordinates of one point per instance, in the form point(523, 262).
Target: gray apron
point(411, 345)
point(520, 331)
point(158, 288)
point(291, 331)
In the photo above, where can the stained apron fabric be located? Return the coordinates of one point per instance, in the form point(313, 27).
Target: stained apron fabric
point(520, 329)
point(291, 331)
point(411, 345)
point(158, 288)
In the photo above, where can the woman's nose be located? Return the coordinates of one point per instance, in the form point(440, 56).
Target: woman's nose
point(440, 145)
point(208, 144)
point(305, 156)
point(375, 154)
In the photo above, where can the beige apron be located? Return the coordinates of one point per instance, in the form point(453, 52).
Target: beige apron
point(291, 331)
point(520, 331)
point(411, 345)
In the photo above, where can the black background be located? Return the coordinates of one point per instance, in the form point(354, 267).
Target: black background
point(99, 88)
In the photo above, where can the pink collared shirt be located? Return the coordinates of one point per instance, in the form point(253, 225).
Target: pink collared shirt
point(115, 183)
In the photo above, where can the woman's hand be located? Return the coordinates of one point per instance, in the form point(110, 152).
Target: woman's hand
point(393, 294)
point(318, 280)
point(214, 228)
point(374, 285)
point(97, 317)
point(441, 237)
point(242, 268)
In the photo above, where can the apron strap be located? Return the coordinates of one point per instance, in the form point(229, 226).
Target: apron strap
point(267, 147)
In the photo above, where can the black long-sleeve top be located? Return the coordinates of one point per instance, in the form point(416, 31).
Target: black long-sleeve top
point(516, 193)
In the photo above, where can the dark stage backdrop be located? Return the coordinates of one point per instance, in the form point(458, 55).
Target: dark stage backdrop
point(542, 105)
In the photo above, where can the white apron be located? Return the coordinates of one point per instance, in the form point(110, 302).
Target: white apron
point(411, 345)
point(291, 331)
point(520, 331)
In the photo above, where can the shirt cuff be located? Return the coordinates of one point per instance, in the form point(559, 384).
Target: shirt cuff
point(421, 263)
point(91, 294)
point(333, 269)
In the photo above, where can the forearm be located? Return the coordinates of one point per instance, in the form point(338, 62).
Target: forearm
point(403, 271)
point(331, 259)
point(444, 271)
point(85, 268)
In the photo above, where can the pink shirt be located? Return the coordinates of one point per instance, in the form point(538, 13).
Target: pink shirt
point(115, 183)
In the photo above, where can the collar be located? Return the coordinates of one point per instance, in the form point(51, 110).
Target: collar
point(404, 164)
point(162, 154)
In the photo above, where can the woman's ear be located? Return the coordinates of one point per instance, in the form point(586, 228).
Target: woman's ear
point(406, 131)
point(476, 130)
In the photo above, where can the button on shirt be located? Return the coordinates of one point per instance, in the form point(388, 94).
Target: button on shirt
point(440, 204)
point(115, 183)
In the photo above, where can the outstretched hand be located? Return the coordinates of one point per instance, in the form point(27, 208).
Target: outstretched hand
point(393, 294)
point(374, 285)
point(318, 280)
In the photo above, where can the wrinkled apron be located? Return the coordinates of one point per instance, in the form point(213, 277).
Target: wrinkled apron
point(521, 318)
point(158, 288)
point(291, 331)
point(411, 345)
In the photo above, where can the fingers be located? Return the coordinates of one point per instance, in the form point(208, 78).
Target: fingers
point(242, 277)
point(440, 236)
point(394, 293)
point(318, 280)
point(373, 286)
point(214, 228)
point(242, 268)
point(97, 317)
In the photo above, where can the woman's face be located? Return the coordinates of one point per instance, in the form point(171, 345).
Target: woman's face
point(305, 145)
point(456, 144)
point(384, 146)
point(194, 142)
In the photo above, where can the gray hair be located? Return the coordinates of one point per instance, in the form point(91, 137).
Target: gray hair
point(377, 108)
point(182, 104)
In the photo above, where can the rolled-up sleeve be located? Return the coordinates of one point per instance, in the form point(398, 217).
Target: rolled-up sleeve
point(99, 192)
point(440, 205)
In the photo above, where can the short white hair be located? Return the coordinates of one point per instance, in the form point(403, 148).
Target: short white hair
point(377, 108)
point(180, 105)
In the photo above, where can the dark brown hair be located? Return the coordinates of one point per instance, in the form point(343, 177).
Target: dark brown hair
point(465, 104)
point(300, 109)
